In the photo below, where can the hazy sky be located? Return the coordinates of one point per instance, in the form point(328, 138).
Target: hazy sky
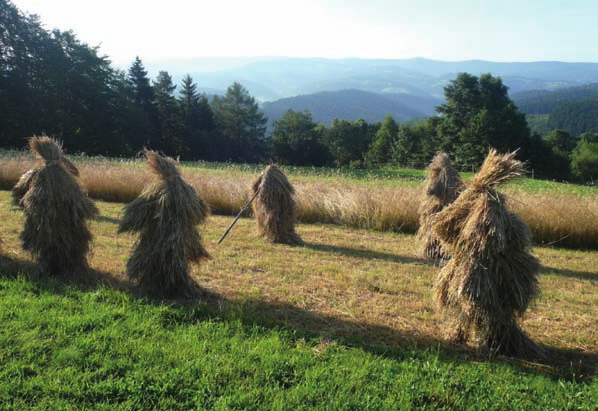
point(505, 30)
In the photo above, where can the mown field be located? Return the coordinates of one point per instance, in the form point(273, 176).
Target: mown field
point(347, 321)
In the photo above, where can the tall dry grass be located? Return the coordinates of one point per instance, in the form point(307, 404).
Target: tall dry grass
point(560, 218)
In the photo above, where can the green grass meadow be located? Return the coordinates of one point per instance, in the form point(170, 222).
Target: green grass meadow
point(346, 322)
point(68, 348)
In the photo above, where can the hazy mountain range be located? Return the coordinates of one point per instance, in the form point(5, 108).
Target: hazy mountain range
point(362, 88)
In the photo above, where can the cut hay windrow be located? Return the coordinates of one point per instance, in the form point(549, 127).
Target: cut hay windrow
point(275, 207)
point(165, 215)
point(56, 208)
point(443, 186)
point(491, 278)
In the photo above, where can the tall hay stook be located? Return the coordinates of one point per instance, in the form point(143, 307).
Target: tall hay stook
point(443, 186)
point(275, 208)
point(491, 278)
point(56, 209)
point(165, 215)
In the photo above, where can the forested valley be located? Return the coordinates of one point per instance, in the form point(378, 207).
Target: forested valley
point(51, 83)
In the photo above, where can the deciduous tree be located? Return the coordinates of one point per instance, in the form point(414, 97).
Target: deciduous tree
point(297, 140)
point(380, 151)
point(478, 114)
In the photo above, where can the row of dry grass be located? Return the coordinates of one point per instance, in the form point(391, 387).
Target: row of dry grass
point(564, 218)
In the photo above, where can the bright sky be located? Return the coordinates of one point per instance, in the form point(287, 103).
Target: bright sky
point(505, 30)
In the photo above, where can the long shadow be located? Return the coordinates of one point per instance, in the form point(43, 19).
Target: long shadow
point(13, 268)
point(110, 220)
point(580, 275)
point(367, 254)
point(376, 339)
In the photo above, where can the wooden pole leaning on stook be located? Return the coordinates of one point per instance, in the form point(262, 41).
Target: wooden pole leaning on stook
point(230, 227)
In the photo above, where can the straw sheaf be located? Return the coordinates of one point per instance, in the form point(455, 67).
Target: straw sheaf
point(275, 207)
point(164, 167)
point(56, 209)
point(497, 169)
point(165, 215)
point(443, 186)
point(50, 151)
point(491, 278)
point(22, 186)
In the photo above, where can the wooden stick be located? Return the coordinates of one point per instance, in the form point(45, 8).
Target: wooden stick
point(239, 215)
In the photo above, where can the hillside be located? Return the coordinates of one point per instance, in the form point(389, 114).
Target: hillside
point(544, 101)
point(351, 105)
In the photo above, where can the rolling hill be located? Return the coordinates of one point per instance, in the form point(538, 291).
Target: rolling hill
point(352, 104)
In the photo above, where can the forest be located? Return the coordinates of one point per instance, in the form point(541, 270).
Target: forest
point(51, 83)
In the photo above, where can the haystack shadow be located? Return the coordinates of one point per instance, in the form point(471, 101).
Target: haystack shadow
point(377, 339)
point(368, 254)
point(578, 275)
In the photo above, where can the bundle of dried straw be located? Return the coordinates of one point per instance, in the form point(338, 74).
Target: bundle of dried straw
point(165, 215)
point(443, 186)
point(275, 207)
point(491, 277)
point(56, 209)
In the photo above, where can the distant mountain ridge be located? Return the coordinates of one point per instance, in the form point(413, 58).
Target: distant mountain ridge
point(408, 87)
point(345, 104)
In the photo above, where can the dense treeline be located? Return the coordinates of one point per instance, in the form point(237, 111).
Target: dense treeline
point(577, 117)
point(52, 83)
point(572, 109)
point(544, 102)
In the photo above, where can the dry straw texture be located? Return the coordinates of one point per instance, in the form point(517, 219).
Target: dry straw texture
point(56, 208)
point(275, 207)
point(491, 277)
point(165, 215)
point(443, 186)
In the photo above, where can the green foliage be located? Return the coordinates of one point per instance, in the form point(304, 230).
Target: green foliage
point(560, 141)
point(545, 162)
point(53, 83)
point(478, 115)
point(297, 140)
point(585, 158)
point(146, 119)
point(348, 141)
point(538, 123)
point(577, 117)
point(380, 152)
point(166, 106)
point(544, 102)
point(241, 123)
point(197, 122)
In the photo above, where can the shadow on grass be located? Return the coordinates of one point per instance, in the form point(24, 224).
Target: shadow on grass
point(367, 254)
point(380, 340)
point(11, 267)
point(579, 275)
point(568, 364)
point(109, 220)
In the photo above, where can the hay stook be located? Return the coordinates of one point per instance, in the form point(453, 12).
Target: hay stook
point(491, 278)
point(275, 208)
point(443, 186)
point(165, 215)
point(56, 208)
